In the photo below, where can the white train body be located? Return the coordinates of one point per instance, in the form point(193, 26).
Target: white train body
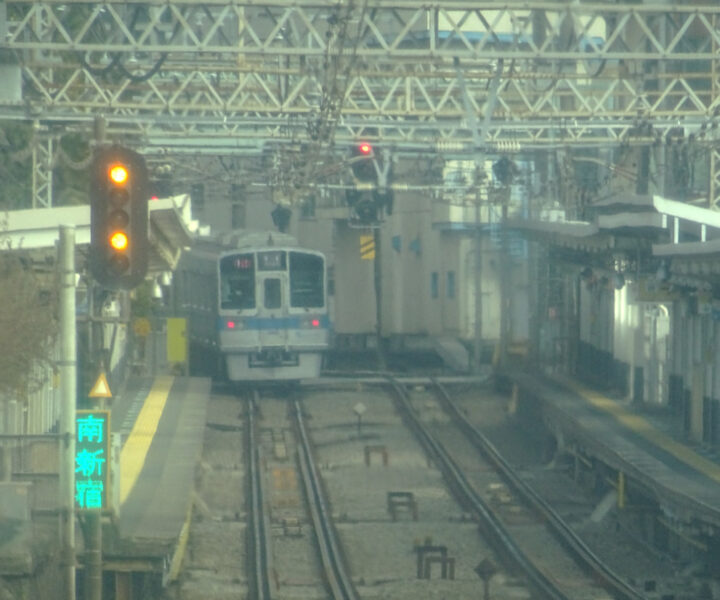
point(269, 306)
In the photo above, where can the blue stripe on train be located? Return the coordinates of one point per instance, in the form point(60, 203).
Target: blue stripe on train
point(264, 323)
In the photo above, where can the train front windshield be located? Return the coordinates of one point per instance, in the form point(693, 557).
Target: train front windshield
point(237, 281)
point(238, 275)
point(307, 280)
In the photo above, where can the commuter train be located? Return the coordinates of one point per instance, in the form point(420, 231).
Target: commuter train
point(256, 305)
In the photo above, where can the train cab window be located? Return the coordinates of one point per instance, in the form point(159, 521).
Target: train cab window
point(237, 281)
point(307, 280)
point(272, 293)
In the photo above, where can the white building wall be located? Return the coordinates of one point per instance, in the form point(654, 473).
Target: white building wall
point(407, 245)
point(465, 292)
point(587, 313)
point(408, 307)
point(715, 353)
point(450, 269)
point(35, 412)
point(519, 301)
point(624, 327)
point(354, 285)
point(490, 289)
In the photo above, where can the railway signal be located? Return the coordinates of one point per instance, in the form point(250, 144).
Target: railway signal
point(119, 194)
point(362, 162)
point(371, 174)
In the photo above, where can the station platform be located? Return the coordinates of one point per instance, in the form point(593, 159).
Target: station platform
point(629, 438)
point(161, 422)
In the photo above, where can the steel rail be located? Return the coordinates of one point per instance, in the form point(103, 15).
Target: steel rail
point(502, 540)
point(558, 526)
point(260, 555)
point(335, 570)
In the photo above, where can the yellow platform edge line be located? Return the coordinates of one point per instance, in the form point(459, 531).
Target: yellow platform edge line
point(135, 449)
point(646, 430)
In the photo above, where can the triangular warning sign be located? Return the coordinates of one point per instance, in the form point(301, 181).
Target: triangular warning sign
point(101, 389)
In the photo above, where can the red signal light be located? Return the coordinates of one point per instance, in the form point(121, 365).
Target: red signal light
point(365, 148)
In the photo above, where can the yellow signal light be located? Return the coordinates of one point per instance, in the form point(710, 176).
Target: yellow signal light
point(119, 241)
point(119, 174)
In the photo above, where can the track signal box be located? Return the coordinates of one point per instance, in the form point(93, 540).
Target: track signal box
point(372, 197)
point(119, 193)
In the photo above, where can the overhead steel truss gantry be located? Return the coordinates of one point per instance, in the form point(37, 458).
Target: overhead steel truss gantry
point(238, 76)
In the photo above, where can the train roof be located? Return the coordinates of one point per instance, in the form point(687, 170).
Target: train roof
point(227, 243)
point(244, 238)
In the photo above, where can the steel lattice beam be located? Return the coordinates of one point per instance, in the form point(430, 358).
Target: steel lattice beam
point(42, 174)
point(393, 29)
point(212, 73)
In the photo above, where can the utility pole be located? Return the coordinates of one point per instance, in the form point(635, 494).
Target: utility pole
point(68, 379)
point(93, 555)
point(477, 337)
point(377, 279)
point(479, 136)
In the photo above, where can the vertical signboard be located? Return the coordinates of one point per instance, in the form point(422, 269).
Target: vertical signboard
point(177, 350)
point(92, 459)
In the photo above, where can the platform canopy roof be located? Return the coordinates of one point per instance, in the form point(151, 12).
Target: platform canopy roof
point(36, 231)
point(643, 230)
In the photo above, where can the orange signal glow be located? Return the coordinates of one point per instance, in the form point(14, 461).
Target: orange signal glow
point(119, 174)
point(119, 240)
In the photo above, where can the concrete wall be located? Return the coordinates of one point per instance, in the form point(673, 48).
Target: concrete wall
point(354, 299)
point(694, 372)
point(414, 252)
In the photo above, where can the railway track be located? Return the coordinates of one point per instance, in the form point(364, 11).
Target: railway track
point(615, 584)
point(303, 536)
point(259, 539)
point(265, 581)
point(550, 578)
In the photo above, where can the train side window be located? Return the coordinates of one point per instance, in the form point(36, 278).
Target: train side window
point(273, 296)
point(307, 280)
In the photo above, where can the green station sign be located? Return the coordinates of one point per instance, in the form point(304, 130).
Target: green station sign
point(92, 459)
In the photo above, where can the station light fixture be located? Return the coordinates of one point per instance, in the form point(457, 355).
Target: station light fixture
point(118, 217)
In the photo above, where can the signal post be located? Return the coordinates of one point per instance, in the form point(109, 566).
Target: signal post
point(369, 201)
point(118, 260)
